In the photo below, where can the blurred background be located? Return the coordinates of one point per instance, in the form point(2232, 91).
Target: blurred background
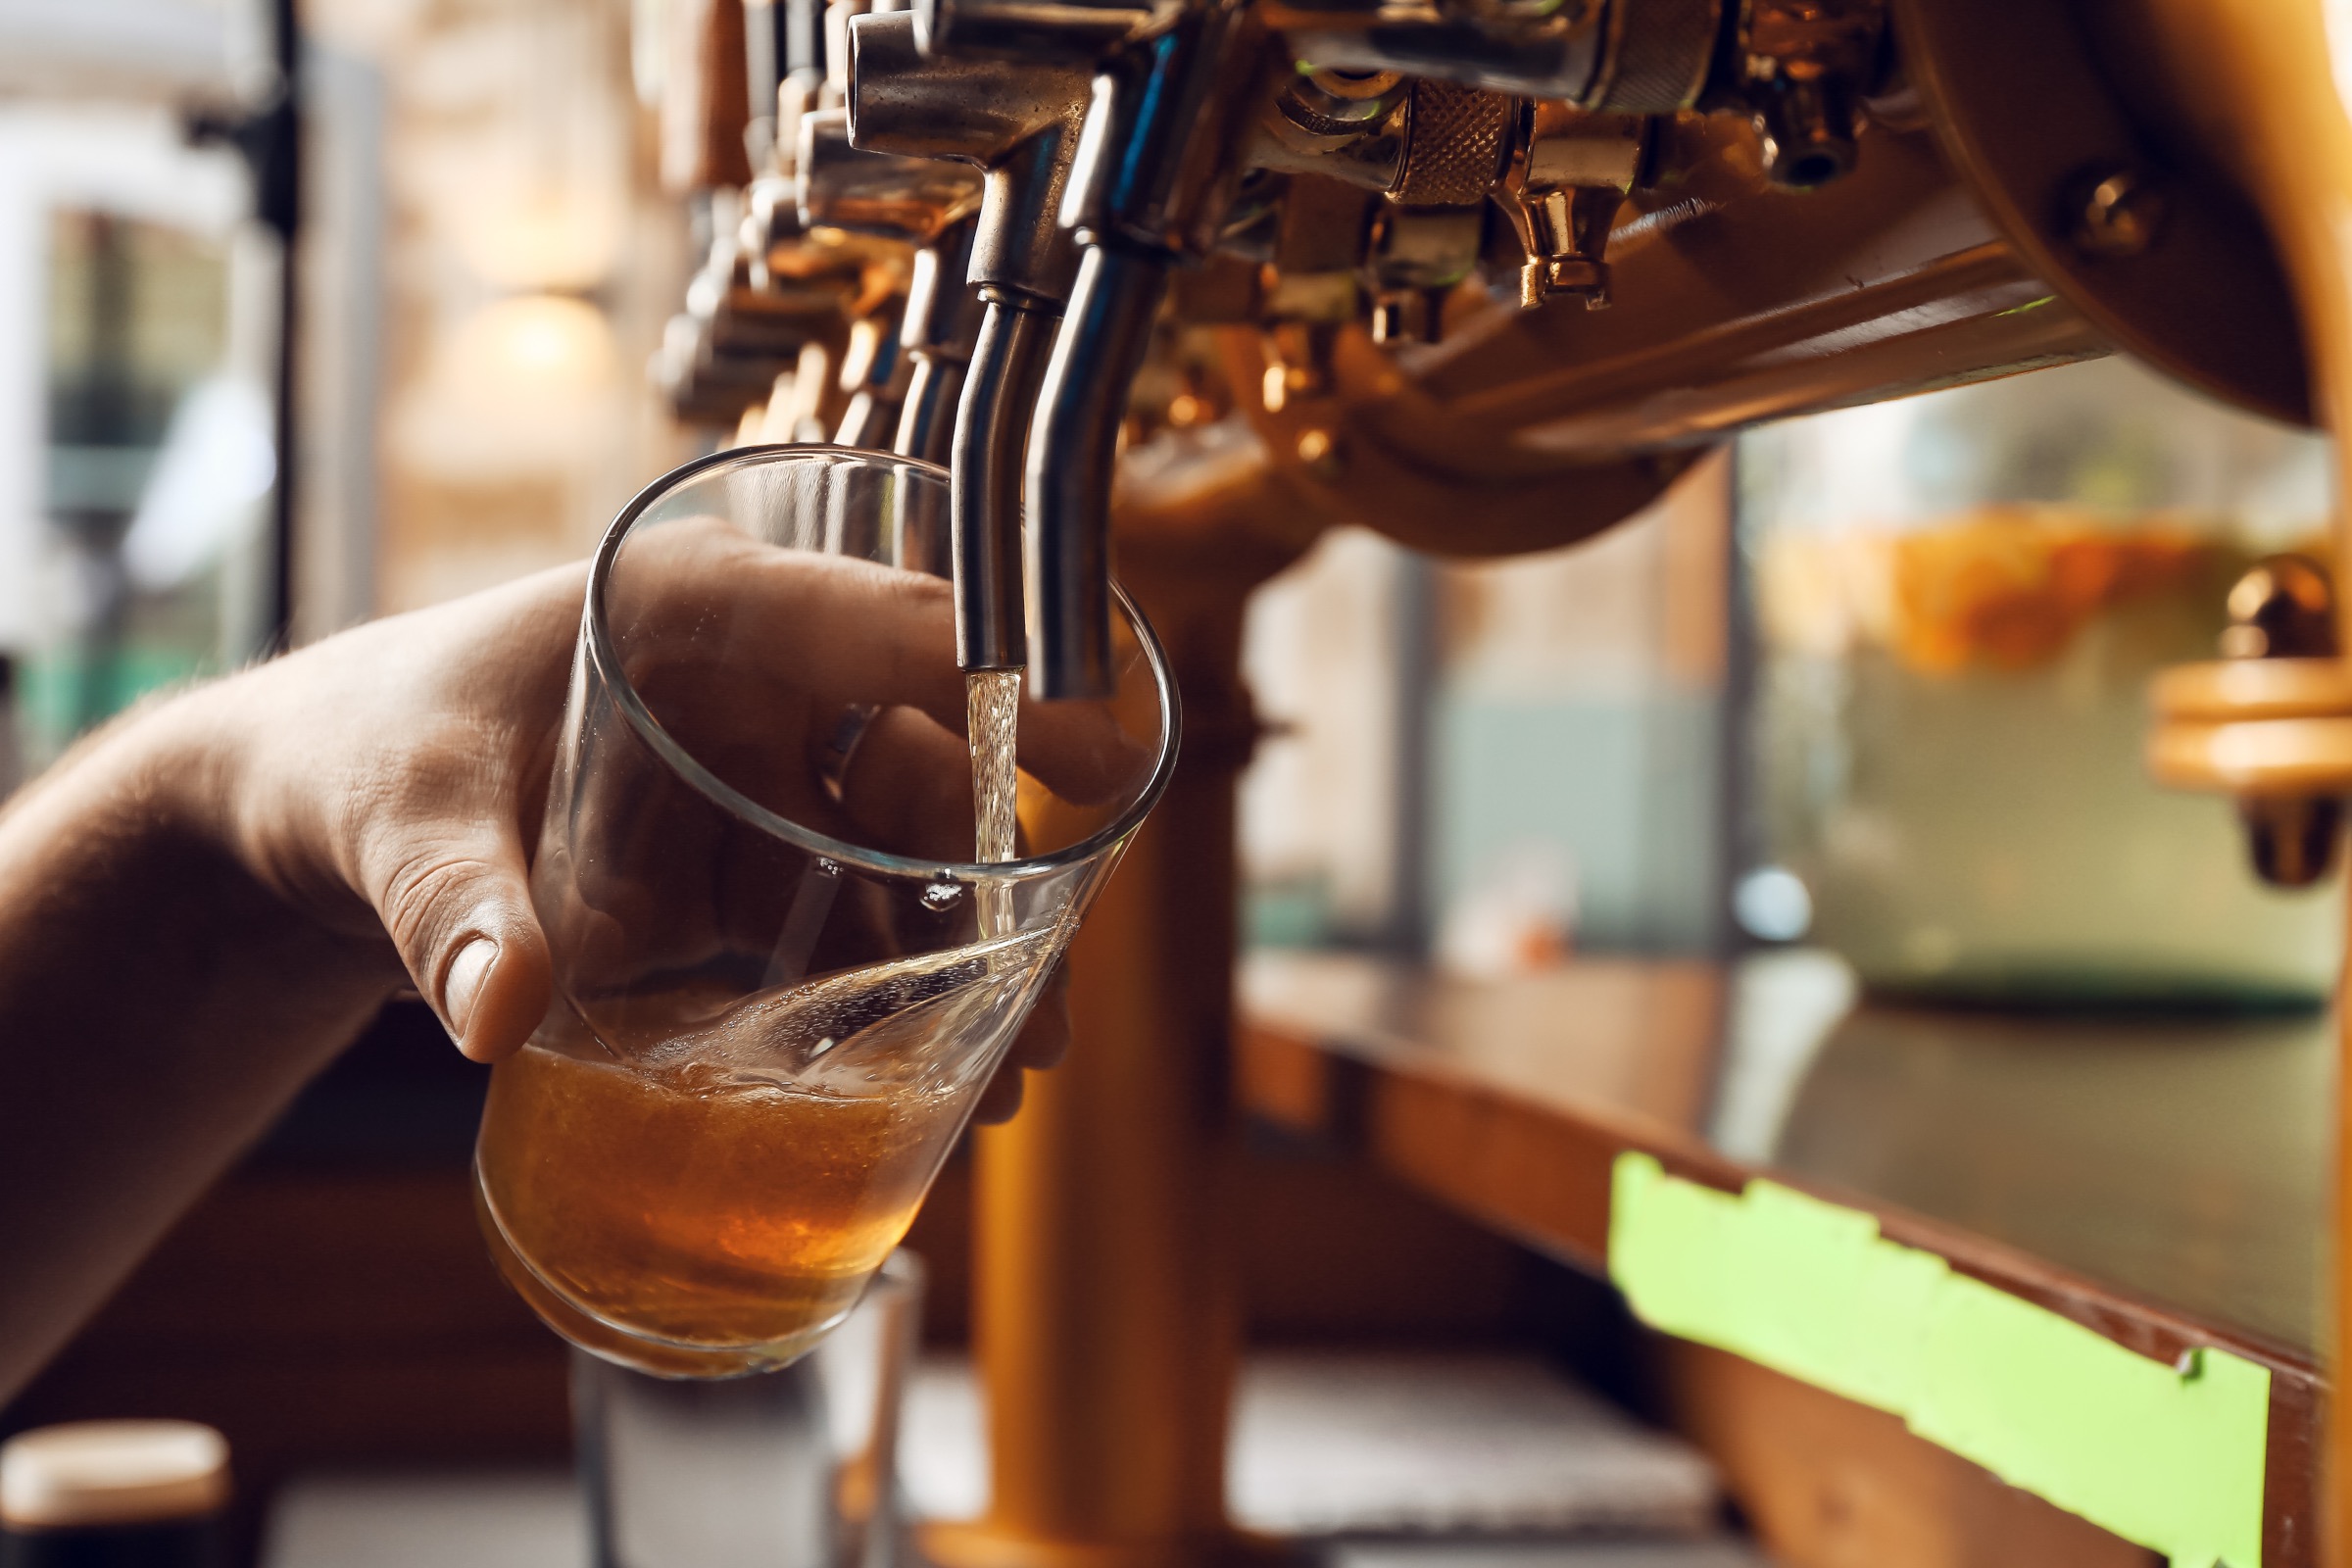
point(1851, 721)
point(1874, 682)
point(481, 262)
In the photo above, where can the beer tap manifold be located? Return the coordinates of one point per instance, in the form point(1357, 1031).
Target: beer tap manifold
point(1014, 182)
point(927, 205)
point(1480, 127)
point(1401, 171)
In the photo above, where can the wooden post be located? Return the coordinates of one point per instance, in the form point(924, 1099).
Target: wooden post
point(1107, 1319)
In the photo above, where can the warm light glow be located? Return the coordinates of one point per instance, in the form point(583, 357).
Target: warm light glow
point(536, 346)
point(524, 385)
point(549, 239)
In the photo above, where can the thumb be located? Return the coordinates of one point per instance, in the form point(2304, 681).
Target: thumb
point(459, 912)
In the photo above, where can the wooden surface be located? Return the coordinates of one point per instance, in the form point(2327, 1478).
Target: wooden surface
point(2159, 1181)
point(1830, 1484)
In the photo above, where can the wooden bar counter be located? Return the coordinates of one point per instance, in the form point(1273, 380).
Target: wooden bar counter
point(2159, 1179)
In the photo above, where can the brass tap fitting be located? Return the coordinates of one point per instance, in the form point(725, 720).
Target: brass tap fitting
point(2283, 608)
point(1569, 174)
point(1805, 66)
point(2270, 723)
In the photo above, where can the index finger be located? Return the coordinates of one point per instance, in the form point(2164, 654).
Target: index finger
point(845, 630)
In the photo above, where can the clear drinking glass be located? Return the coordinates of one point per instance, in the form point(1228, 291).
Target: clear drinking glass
point(781, 979)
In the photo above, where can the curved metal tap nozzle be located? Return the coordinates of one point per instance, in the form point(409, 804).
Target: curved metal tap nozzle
point(992, 431)
point(1071, 452)
point(1161, 156)
point(1020, 122)
point(938, 332)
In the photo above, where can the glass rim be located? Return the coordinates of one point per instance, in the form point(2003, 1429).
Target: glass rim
point(595, 637)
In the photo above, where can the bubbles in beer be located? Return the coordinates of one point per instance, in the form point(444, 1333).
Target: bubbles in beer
point(993, 710)
point(712, 1199)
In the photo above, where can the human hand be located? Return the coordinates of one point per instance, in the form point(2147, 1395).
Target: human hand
point(393, 779)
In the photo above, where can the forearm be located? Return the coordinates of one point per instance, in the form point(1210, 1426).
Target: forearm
point(157, 1006)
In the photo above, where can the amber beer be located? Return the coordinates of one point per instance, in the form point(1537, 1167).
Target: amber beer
point(688, 1219)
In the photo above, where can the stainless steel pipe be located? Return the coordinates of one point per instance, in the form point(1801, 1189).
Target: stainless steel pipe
point(992, 430)
point(1071, 452)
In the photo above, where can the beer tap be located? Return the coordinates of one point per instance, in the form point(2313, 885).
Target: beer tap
point(873, 373)
point(1161, 162)
point(1128, 128)
point(1315, 288)
point(905, 381)
point(938, 334)
point(765, 293)
point(1569, 173)
point(784, 54)
point(893, 232)
point(1019, 122)
point(927, 203)
point(760, 300)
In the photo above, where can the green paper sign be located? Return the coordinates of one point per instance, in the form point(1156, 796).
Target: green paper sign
point(2168, 1457)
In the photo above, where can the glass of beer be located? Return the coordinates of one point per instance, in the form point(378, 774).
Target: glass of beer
point(792, 937)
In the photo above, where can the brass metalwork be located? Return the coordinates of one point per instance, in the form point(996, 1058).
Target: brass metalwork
point(1457, 141)
point(2253, 88)
point(1803, 66)
point(1657, 56)
point(1566, 181)
point(2206, 299)
point(2122, 213)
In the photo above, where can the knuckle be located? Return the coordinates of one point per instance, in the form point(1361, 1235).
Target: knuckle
point(420, 891)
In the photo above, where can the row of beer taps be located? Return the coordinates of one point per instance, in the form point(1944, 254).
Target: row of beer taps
point(973, 221)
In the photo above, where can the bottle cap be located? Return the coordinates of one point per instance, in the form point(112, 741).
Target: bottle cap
point(93, 1474)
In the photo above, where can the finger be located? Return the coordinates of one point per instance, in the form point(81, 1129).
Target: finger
point(873, 634)
point(1001, 1100)
point(457, 905)
point(909, 787)
point(1045, 1038)
point(846, 630)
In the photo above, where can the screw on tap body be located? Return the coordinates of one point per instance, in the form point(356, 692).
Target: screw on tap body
point(2121, 213)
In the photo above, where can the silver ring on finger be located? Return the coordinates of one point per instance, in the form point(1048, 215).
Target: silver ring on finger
point(840, 745)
